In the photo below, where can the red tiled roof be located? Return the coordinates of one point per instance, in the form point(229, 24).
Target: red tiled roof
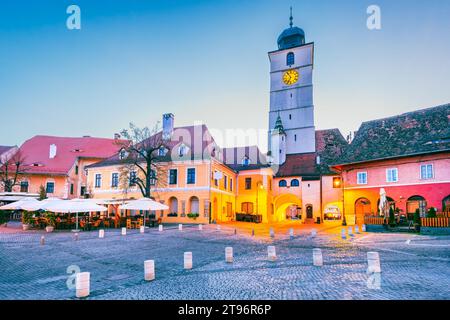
point(299, 165)
point(36, 151)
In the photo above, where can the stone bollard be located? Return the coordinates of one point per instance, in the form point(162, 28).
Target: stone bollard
point(343, 234)
point(235, 231)
point(350, 231)
point(141, 229)
point(356, 229)
point(124, 231)
point(101, 233)
point(149, 270)
point(229, 254)
point(188, 260)
point(218, 227)
point(253, 232)
point(313, 233)
point(271, 253)
point(291, 233)
point(363, 228)
point(42, 241)
point(75, 236)
point(82, 284)
point(373, 261)
point(180, 227)
point(317, 257)
point(160, 228)
point(200, 227)
point(272, 233)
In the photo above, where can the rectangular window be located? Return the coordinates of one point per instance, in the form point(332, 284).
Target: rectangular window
point(76, 169)
point(248, 183)
point(133, 175)
point(173, 176)
point(50, 188)
point(98, 180)
point(24, 186)
point(191, 176)
point(426, 171)
point(231, 184)
point(153, 177)
point(225, 182)
point(83, 191)
point(361, 178)
point(71, 189)
point(392, 175)
point(115, 180)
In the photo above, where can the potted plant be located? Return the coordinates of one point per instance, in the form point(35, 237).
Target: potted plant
point(431, 213)
point(4, 218)
point(27, 220)
point(193, 215)
point(51, 221)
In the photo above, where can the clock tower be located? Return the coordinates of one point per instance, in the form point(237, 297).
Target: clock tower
point(291, 93)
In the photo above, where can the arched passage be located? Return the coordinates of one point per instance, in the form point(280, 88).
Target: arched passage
point(287, 206)
point(194, 205)
point(413, 203)
point(362, 209)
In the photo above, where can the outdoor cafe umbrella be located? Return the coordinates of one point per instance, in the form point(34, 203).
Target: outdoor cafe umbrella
point(383, 201)
point(38, 205)
point(145, 204)
point(74, 206)
point(19, 205)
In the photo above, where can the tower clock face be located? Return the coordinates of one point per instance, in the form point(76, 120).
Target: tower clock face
point(290, 77)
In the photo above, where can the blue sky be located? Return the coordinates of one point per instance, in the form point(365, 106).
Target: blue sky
point(207, 61)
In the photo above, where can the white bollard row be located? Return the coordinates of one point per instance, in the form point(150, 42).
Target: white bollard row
point(373, 261)
point(42, 241)
point(229, 254)
point(200, 227)
point(101, 233)
point(141, 229)
point(149, 270)
point(218, 227)
point(343, 234)
point(357, 229)
point(160, 228)
point(124, 231)
point(271, 253)
point(180, 227)
point(272, 233)
point(291, 233)
point(350, 231)
point(188, 260)
point(82, 284)
point(317, 257)
point(75, 236)
point(313, 233)
point(363, 228)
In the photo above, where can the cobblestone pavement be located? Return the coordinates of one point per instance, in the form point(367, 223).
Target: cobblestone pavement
point(413, 267)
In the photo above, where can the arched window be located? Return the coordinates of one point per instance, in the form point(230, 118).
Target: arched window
point(416, 202)
point(193, 205)
point(173, 205)
point(290, 59)
point(246, 161)
point(282, 184)
point(295, 183)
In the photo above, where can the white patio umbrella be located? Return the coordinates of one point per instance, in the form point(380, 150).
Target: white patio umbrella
point(145, 204)
point(71, 206)
point(38, 205)
point(383, 200)
point(19, 205)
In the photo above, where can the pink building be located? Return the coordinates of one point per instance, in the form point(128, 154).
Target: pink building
point(406, 155)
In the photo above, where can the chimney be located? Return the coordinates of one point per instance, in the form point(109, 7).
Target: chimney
point(168, 120)
point(116, 136)
point(52, 153)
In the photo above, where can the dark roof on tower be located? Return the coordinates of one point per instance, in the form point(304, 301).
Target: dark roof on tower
point(413, 133)
point(330, 145)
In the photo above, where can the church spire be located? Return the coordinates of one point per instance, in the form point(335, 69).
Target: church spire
point(291, 24)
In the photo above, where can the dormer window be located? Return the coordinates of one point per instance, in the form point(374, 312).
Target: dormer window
point(162, 152)
point(77, 150)
point(246, 161)
point(183, 150)
point(123, 154)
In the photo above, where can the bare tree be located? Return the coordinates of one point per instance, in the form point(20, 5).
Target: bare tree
point(12, 169)
point(142, 163)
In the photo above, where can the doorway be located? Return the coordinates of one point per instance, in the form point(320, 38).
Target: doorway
point(309, 211)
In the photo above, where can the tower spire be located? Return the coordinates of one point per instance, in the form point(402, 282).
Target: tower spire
point(291, 18)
